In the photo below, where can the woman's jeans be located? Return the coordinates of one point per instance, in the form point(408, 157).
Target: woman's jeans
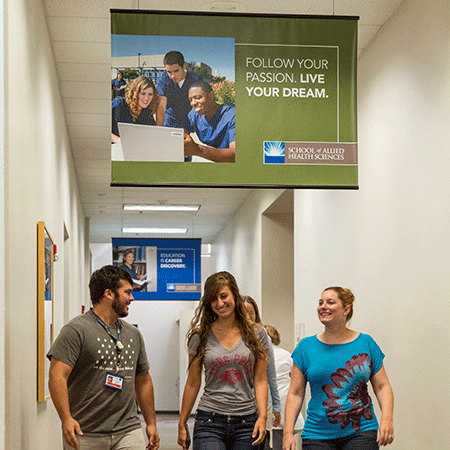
point(363, 440)
point(220, 432)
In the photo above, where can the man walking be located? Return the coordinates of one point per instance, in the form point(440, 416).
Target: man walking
point(99, 368)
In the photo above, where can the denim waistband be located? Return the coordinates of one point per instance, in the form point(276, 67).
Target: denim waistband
point(215, 417)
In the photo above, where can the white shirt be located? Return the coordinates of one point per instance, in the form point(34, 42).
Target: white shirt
point(283, 367)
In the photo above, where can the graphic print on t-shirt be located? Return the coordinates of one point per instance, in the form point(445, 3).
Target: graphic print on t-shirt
point(107, 355)
point(348, 399)
point(234, 374)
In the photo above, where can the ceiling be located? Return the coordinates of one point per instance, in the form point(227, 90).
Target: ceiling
point(80, 36)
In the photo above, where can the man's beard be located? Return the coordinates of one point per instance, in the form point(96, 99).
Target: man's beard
point(119, 308)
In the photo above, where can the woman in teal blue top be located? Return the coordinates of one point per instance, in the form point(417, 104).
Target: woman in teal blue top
point(338, 363)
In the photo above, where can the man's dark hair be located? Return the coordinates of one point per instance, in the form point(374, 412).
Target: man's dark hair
point(172, 58)
point(108, 277)
point(204, 85)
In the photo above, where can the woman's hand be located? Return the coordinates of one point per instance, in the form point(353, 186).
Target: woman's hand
point(288, 441)
point(259, 431)
point(182, 437)
point(276, 419)
point(385, 433)
point(383, 391)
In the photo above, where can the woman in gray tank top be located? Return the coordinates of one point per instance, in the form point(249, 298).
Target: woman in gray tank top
point(232, 350)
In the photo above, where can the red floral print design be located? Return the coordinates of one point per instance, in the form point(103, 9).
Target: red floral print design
point(348, 399)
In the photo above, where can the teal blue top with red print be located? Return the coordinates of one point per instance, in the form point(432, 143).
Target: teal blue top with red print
point(338, 374)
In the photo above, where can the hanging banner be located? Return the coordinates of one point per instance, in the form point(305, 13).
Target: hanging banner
point(161, 269)
point(233, 100)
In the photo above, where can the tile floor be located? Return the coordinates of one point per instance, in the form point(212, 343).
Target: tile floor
point(167, 425)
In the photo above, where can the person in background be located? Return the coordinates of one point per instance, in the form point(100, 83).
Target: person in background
point(118, 85)
point(232, 412)
point(338, 363)
point(274, 404)
point(283, 368)
point(139, 106)
point(99, 368)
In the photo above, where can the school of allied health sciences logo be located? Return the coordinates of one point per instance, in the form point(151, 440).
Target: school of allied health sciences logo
point(329, 153)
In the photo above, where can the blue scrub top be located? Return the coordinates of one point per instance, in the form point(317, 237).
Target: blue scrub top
point(217, 133)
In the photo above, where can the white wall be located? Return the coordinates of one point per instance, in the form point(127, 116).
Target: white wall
point(237, 249)
point(158, 322)
point(40, 185)
point(389, 242)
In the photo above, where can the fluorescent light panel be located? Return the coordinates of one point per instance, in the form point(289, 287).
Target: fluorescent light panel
point(155, 230)
point(161, 207)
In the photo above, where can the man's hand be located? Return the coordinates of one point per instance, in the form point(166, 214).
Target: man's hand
point(70, 429)
point(190, 147)
point(153, 437)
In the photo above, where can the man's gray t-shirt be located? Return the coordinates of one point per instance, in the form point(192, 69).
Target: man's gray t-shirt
point(85, 345)
point(229, 375)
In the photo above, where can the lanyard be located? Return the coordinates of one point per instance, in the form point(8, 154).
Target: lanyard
point(118, 342)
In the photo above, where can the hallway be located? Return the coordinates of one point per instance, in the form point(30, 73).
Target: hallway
point(167, 425)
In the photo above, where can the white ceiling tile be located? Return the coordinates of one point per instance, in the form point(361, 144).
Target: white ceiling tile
point(94, 144)
point(80, 29)
point(88, 120)
point(82, 52)
point(88, 152)
point(371, 12)
point(96, 73)
point(321, 7)
point(86, 90)
point(93, 106)
point(77, 8)
point(366, 34)
point(90, 132)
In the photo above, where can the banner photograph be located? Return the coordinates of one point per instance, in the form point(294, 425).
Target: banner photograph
point(233, 100)
point(161, 269)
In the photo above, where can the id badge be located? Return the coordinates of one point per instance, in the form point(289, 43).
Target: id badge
point(114, 381)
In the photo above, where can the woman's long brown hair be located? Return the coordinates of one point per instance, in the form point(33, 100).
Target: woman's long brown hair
point(204, 316)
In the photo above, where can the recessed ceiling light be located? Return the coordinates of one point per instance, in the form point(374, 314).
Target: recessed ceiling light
point(155, 230)
point(161, 207)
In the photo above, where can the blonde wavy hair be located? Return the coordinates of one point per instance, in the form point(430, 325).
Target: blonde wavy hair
point(137, 86)
point(204, 316)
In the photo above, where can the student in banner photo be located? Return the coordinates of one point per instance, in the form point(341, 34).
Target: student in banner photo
point(99, 368)
point(118, 85)
point(173, 88)
point(214, 125)
point(232, 351)
point(338, 363)
point(274, 403)
point(139, 106)
point(128, 266)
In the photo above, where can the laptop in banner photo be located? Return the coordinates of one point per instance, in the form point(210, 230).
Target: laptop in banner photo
point(151, 143)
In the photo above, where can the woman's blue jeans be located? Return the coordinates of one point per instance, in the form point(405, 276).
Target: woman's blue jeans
point(363, 440)
point(220, 432)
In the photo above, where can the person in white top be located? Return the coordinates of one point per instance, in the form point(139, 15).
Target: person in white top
point(283, 367)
